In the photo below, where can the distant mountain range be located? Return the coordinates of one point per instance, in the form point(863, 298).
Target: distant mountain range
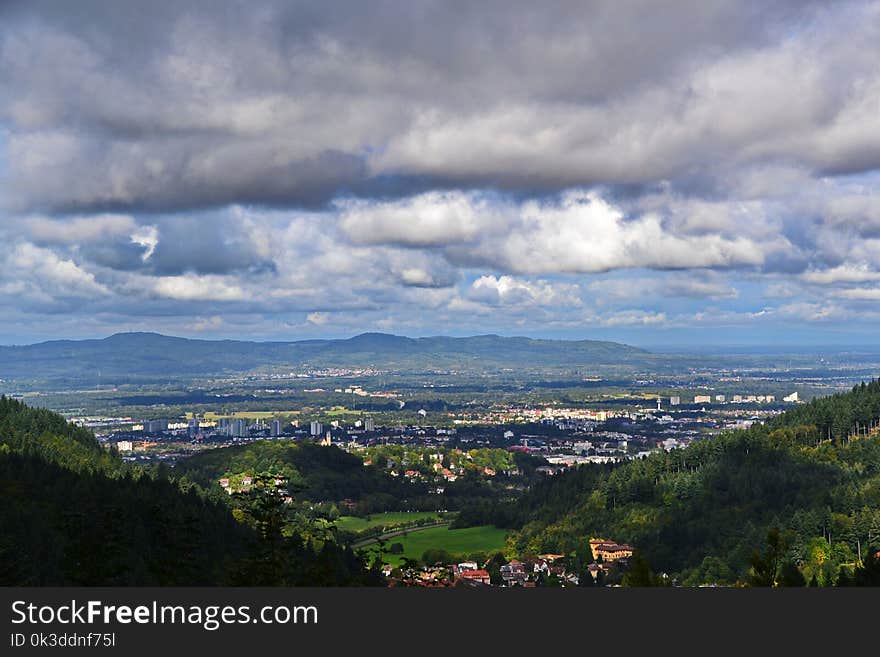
point(154, 355)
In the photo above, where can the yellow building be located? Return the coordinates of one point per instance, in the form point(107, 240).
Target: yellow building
point(609, 550)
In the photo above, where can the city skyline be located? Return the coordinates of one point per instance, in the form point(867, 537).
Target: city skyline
point(689, 175)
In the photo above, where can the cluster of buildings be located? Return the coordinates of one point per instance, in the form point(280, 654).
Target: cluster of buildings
point(527, 573)
point(675, 400)
point(329, 372)
point(177, 439)
point(238, 428)
point(90, 422)
point(433, 468)
point(565, 437)
point(549, 414)
point(127, 447)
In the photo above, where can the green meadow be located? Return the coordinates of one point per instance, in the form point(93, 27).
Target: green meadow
point(391, 519)
point(455, 541)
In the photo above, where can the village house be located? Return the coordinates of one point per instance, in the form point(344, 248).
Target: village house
point(478, 576)
point(513, 573)
point(540, 566)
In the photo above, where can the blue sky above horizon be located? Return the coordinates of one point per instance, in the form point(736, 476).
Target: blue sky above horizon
point(693, 174)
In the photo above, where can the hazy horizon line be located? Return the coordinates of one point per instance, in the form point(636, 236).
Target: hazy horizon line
point(668, 347)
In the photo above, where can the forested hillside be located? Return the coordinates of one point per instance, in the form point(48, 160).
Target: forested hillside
point(705, 513)
point(73, 514)
point(332, 476)
point(316, 473)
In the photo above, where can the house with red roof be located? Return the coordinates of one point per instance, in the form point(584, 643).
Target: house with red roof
point(479, 576)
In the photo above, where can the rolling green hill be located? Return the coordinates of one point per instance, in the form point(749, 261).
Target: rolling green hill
point(335, 479)
point(150, 354)
point(315, 473)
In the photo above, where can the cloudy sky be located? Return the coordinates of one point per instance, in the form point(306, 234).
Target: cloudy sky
point(692, 172)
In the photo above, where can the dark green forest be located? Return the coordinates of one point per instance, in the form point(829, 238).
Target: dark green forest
point(73, 514)
point(801, 492)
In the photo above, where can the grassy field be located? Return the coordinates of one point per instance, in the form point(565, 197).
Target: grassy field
point(340, 411)
point(354, 524)
point(455, 541)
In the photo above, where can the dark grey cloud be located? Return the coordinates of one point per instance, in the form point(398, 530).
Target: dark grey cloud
point(177, 105)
